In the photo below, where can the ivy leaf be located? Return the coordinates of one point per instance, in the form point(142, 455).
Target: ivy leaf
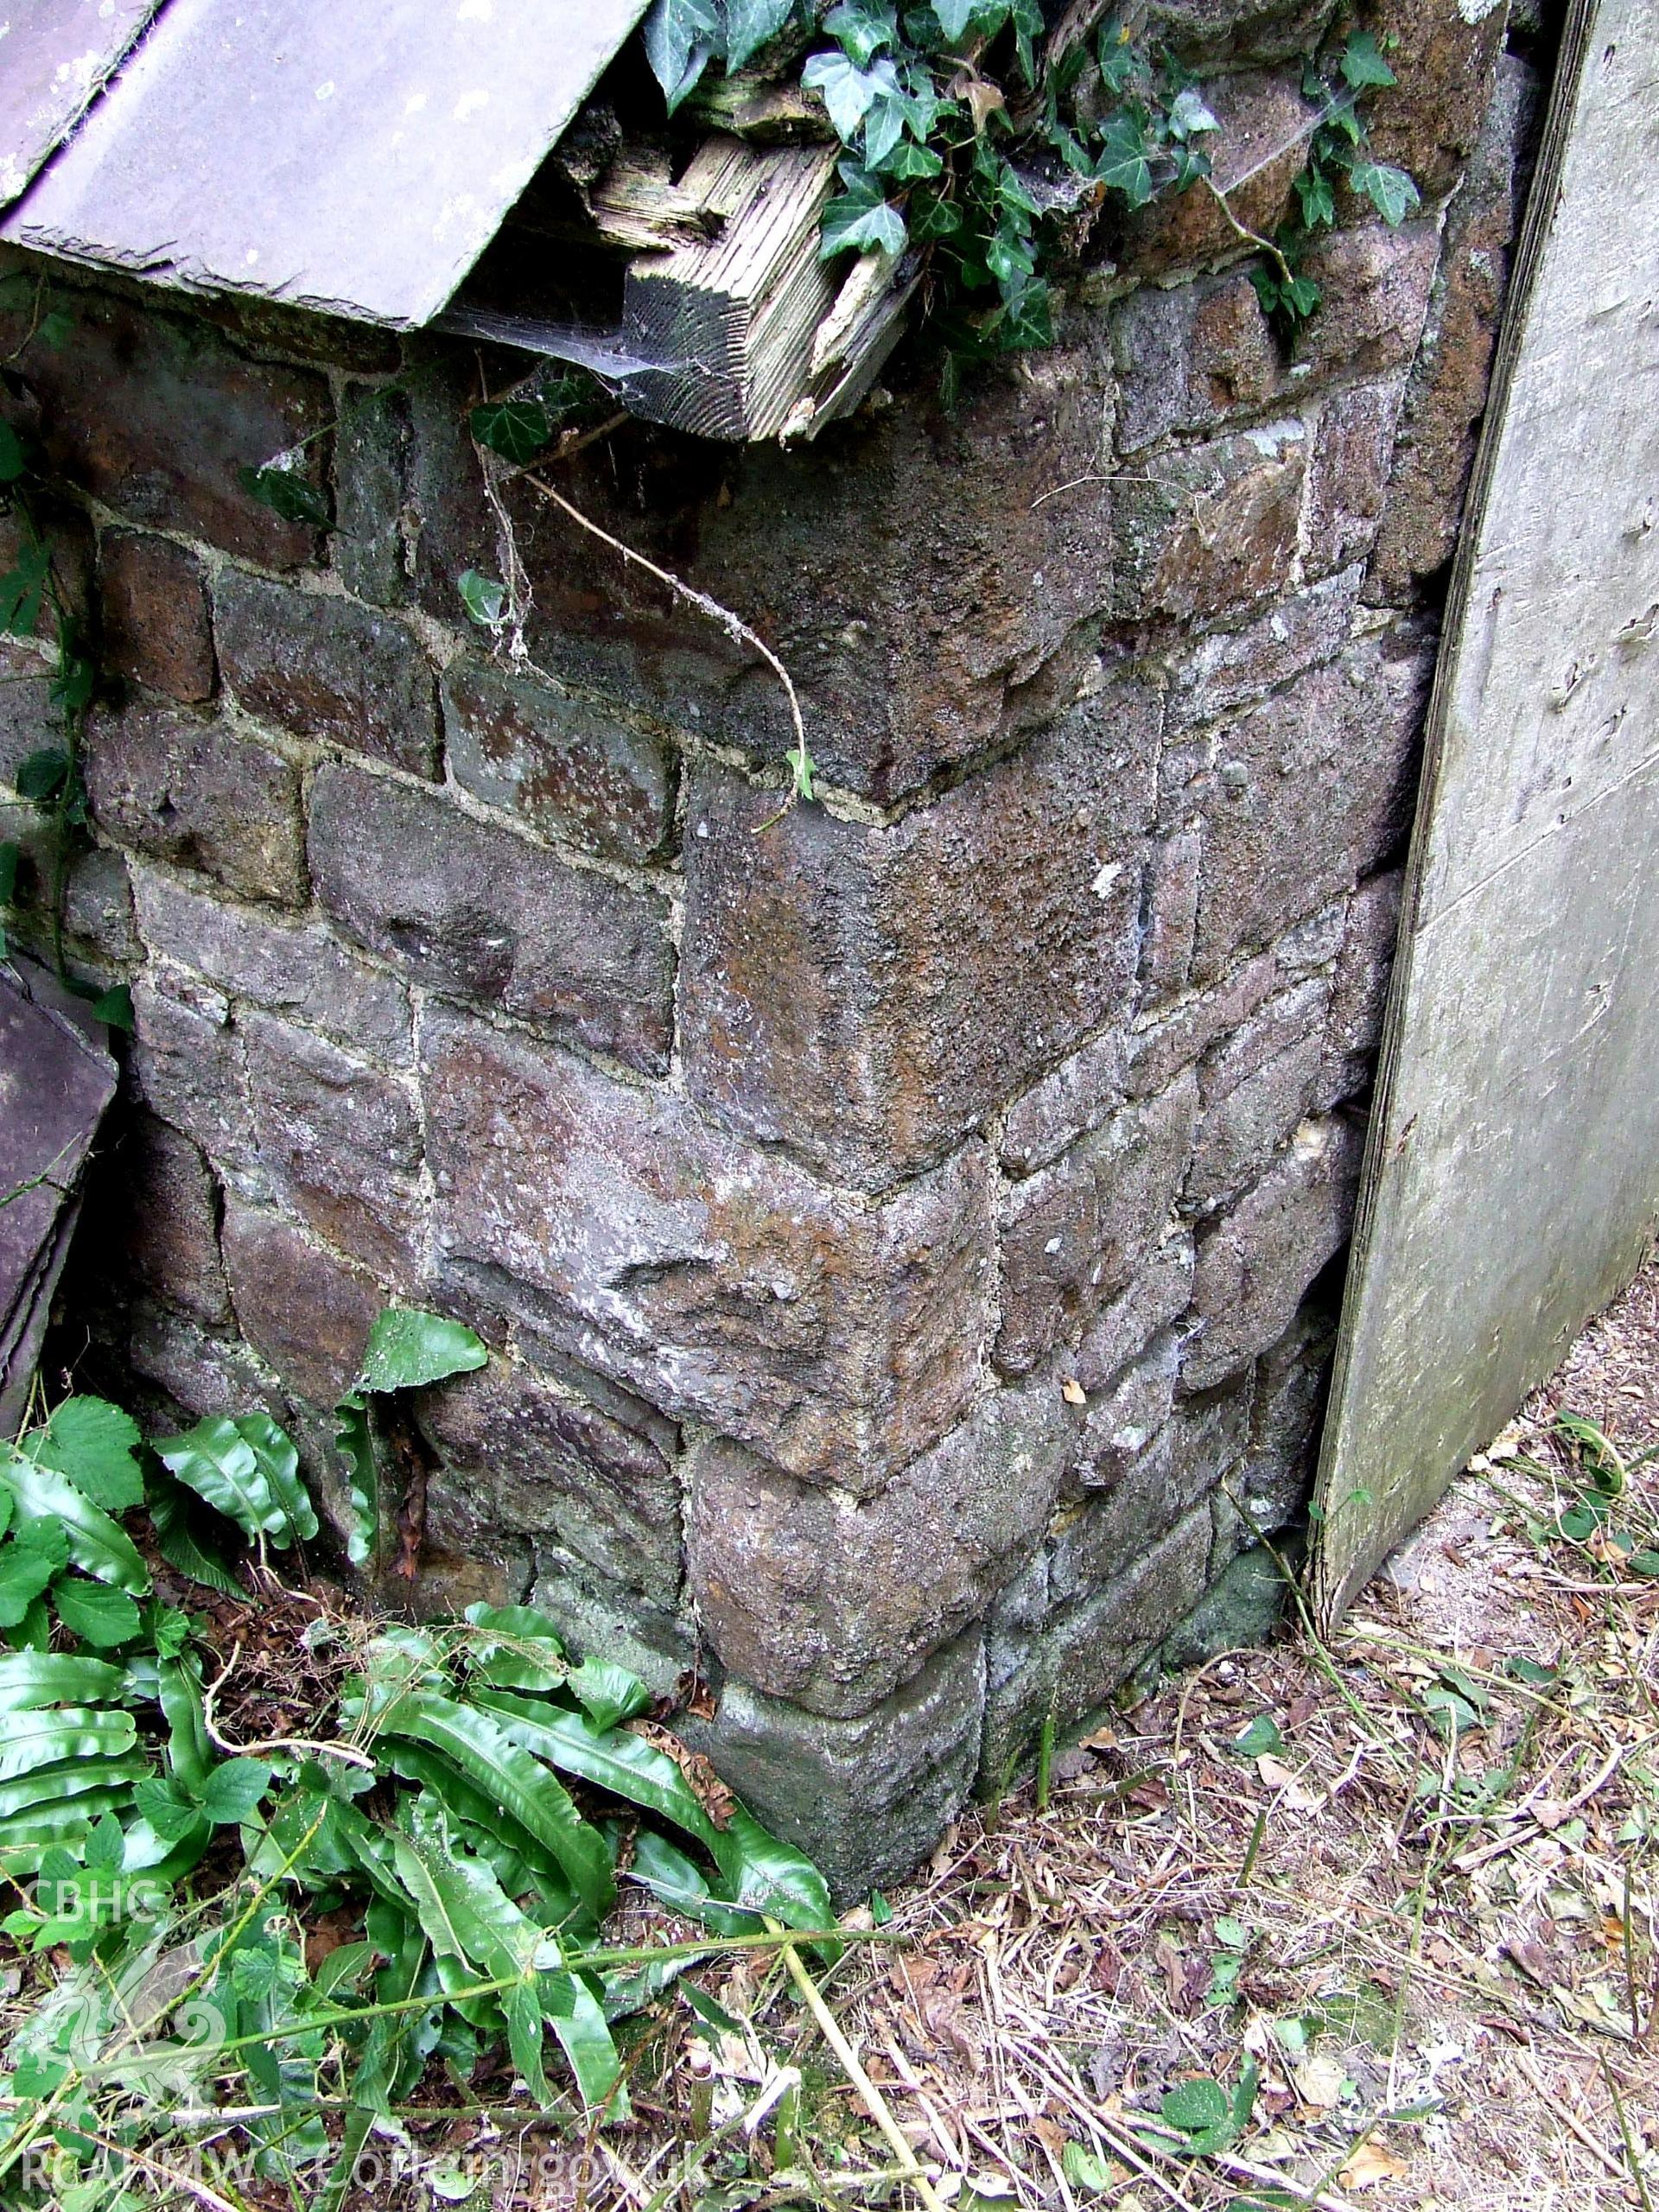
point(681, 35)
point(1188, 116)
point(10, 856)
point(484, 599)
point(93, 1443)
point(1319, 202)
point(955, 17)
point(908, 162)
point(53, 330)
point(848, 91)
point(100, 1615)
point(861, 29)
point(1362, 64)
point(1028, 27)
point(408, 1349)
point(1028, 319)
point(863, 224)
point(884, 126)
point(13, 460)
point(749, 24)
point(279, 486)
point(933, 216)
point(516, 429)
point(1123, 163)
point(1390, 190)
point(1117, 57)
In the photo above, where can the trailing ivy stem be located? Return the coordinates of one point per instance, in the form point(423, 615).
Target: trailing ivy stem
point(735, 627)
point(1243, 230)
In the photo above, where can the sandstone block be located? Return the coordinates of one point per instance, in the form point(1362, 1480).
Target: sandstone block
point(1255, 1264)
point(837, 1338)
point(1240, 1608)
point(171, 1219)
point(605, 1620)
point(854, 992)
point(475, 910)
point(539, 1461)
point(1259, 150)
point(188, 1060)
point(575, 769)
point(832, 1602)
point(1089, 1648)
point(1360, 988)
point(371, 544)
point(293, 968)
point(1240, 1132)
point(200, 794)
point(341, 1143)
point(1193, 357)
point(913, 579)
point(1070, 1100)
point(1074, 1234)
point(1289, 1407)
point(28, 722)
point(1230, 667)
point(1347, 482)
point(1240, 30)
point(155, 625)
point(305, 1312)
point(1124, 1418)
point(1447, 393)
point(867, 1797)
point(200, 1372)
point(1287, 1018)
point(1374, 283)
point(324, 667)
point(98, 905)
point(154, 416)
point(1215, 527)
point(1159, 1049)
point(1314, 787)
point(1429, 121)
point(1174, 878)
point(1158, 1295)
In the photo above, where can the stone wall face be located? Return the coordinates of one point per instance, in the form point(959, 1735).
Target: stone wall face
point(904, 1228)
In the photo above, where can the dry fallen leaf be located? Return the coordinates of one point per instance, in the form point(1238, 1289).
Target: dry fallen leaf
point(1372, 2164)
point(1073, 1392)
point(1319, 2080)
point(1277, 1775)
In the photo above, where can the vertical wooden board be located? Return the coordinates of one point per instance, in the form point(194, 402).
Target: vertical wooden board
point(1511, 1182)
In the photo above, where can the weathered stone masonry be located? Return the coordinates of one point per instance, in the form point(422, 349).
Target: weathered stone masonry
point(791, 1171)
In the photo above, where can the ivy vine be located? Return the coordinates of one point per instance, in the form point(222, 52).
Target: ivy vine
point(1339, 150)
point(961, 143)
point(958, 142)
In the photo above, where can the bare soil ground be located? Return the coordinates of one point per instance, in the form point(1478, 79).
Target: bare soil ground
point(1394, 1898)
